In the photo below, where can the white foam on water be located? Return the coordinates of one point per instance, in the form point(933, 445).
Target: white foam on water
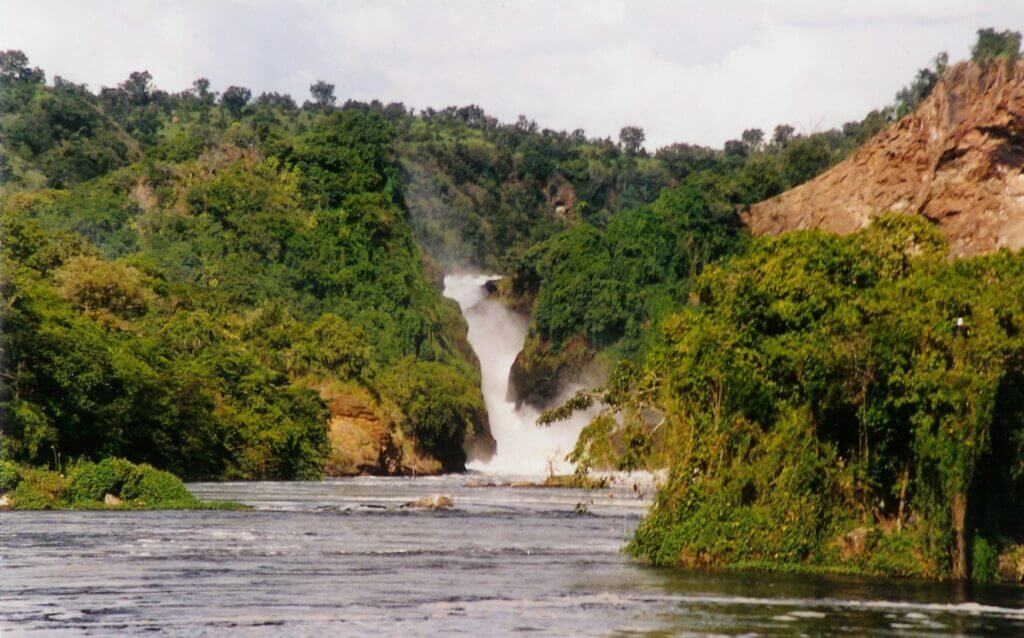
point(497, 334)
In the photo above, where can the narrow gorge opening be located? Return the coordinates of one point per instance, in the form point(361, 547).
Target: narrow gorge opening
point(497, 334)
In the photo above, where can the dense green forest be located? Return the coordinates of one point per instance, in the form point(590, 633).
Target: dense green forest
point(595, 288)
point(201, 281)
point(822, 403)
point(209, 283)
point(190, 282)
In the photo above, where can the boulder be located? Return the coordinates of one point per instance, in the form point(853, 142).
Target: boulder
point(432, 502)
point(111, 500)
point(5, 503)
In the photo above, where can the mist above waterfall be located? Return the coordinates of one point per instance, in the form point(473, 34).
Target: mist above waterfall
point(497, 334)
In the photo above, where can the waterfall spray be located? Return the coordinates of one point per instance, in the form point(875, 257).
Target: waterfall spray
point(497, 334)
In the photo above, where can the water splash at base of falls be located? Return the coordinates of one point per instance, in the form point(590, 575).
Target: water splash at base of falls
point(497, 334)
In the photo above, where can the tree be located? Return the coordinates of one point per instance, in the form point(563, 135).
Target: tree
point(631, 139)
point(236, 98)
point(994, 44)
point(910, 96)
point(14, 67)
point(276, 100)
point(753, 139)
point(323, 94)
point(201, 89)
point(735, 148)
point(783, 134)
point(138, 88)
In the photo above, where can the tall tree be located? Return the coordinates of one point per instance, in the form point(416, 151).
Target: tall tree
point(631, 139)
point(322, 94)
point(236, 98)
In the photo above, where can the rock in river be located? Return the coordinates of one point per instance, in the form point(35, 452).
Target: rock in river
point(432, 502)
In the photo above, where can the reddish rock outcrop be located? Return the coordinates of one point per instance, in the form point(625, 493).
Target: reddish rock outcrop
point(958, 160)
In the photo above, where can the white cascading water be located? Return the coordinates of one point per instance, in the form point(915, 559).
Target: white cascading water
point(497, 334)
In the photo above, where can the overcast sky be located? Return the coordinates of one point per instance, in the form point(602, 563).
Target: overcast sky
point(698, 72)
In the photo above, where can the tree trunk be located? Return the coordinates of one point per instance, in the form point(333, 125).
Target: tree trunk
point(960, 570)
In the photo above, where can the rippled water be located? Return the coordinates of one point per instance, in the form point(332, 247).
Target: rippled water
point(341, 557)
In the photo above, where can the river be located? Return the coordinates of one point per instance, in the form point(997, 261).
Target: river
point(340, 557)
point(343, 557)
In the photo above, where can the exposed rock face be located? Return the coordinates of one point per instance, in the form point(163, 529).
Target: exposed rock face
point(540, 371)
point(958, 160)
point(363, 439)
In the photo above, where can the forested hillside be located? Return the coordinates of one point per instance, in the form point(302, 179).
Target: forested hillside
point(214, 287)
point(836, 403)
point(234, 287)
point(226, 285)
point(631, 249)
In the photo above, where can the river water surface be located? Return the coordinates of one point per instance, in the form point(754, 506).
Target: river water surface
point(341, 557)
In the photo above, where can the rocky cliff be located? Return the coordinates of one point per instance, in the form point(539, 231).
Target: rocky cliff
point(958, 160)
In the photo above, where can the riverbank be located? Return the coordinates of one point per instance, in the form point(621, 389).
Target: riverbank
point(111, 484)
point(341, 556)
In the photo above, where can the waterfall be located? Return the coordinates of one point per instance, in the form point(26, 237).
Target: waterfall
point(497, 334)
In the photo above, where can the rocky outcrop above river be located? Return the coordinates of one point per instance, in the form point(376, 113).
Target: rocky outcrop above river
point(542, 370)
point(957, 160)
point(365, 440)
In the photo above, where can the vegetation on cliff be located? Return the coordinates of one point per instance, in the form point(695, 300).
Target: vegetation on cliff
point(597, 287)
point(837, 403)
point(180, 275)
point(831, 403)
point(830, 384)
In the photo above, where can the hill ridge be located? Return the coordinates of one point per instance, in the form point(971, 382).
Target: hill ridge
point(958, 160)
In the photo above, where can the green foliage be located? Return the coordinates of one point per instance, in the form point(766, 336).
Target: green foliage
point(440, 406)
point(86, 485)
point(860, 380)
point(985, 561)
point(37, 489)
point(993, 45)
point(176, 310)
point(9, 476)
point(154, 487)
point(93, 481)
point(64, 132)
point(608, 285)
point(346, 153)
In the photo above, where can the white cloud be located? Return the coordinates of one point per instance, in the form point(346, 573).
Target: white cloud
point(685, 71)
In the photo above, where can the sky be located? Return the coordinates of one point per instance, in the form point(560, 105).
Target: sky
point(684, 71)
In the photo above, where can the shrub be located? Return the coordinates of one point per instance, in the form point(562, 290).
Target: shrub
point(37, 488)
point(154, 487)
point(985, 561)
point(440, 406)
point(9, 476)
point(993, 44)
point(92, 481)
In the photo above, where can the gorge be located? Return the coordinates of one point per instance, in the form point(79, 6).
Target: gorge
point(497, 334)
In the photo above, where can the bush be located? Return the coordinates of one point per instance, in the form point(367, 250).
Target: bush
point(993, 44)
point(9, 476)
point(93, 481)
point(37, 489)
point(985, 561)
point(154, 487)
point(440, 406)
